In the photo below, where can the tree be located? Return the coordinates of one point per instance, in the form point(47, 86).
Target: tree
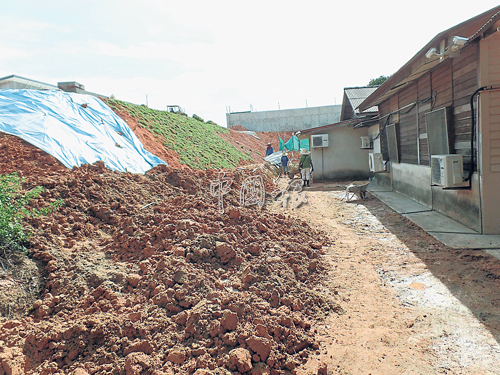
point(378, 81)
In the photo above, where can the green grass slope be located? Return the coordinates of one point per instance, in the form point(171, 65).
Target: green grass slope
point(197, 142)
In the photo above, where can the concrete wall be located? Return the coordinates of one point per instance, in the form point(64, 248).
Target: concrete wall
point(463, 206)
point(343, 159)
point(287, 119)
point(414, 181)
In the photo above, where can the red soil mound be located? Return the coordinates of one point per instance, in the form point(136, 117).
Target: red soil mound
point(144, 275)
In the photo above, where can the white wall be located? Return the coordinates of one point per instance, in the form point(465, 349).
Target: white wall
point(343, 159)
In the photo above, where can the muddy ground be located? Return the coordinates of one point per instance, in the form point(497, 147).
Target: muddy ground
point(410, 304)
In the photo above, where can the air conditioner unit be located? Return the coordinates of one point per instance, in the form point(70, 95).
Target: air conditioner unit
point(319, 140)
point(366, 142)
point(376, 162)
point(447, 170)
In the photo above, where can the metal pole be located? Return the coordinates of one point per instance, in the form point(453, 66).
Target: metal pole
point(322, 166)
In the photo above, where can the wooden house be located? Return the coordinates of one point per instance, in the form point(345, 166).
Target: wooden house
point(446, 101)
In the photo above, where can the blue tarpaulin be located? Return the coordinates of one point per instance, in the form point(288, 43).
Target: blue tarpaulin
point(74, 128)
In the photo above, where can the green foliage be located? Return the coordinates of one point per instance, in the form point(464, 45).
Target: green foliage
point(378, 81)
point(198, 143)
point(14, 209)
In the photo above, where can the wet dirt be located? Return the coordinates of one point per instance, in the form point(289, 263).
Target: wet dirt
point(411, 305)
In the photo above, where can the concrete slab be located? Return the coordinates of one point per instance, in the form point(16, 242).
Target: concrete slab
point(432, 221)
point(399, 203)
point(444, 229)
point(374, 188)
point(468, 241)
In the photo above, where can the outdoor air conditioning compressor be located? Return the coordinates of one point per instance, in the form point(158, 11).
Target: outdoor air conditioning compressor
point(366, 142)
point(376, 162)
point(447, 170)
point(319, 140)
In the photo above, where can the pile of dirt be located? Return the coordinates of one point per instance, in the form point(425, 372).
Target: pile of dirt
point(140, 274)
point(19, 156)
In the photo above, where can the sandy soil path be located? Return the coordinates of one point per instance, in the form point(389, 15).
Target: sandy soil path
point(411, 305)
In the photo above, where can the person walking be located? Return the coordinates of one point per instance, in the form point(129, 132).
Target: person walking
point(269, 149)
point(284, 164)
point(305, 166)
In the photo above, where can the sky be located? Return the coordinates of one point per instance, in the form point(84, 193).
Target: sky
point(213, 56)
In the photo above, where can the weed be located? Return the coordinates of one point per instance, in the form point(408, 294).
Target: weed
point(14, 209)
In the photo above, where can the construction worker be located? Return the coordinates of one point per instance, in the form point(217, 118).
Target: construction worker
point(269, 149)
point(284, 164)
point(305, 166)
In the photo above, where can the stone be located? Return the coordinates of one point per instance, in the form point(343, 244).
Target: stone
point(133, 279)
point(224, 251)
point(323, 369)
point(234, 214)
point(229, 320)
point(177, 356)
point(136, 363)
point(259, 345)
point(241, 359)
point(262, 228)
point(140, 346)
point(313, 265)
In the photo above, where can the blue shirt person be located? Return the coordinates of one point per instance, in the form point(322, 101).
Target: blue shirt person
point(284, 163)
point(269, 149)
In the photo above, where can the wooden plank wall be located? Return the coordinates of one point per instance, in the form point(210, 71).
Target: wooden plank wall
point(465, 82)
point(424, 96)
point(452, 82)
point(407, 125)
point(384, 109)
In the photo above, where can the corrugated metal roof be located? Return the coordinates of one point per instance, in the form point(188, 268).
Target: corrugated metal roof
point(28, 83)
point(483, 29)
point(419, 65)
point(337, 124)
point(357, 95)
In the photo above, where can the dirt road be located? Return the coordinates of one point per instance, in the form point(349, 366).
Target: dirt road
point(410, 304)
